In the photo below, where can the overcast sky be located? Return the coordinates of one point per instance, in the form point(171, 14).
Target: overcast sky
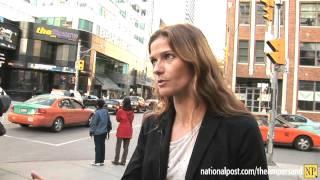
point(210, 17)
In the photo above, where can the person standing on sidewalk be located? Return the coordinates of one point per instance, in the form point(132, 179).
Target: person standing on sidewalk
point(124, 132)
point(99, 127)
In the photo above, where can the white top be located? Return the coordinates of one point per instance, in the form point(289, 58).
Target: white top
point(180, 153)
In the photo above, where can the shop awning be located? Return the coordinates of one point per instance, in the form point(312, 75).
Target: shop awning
point(107, 83)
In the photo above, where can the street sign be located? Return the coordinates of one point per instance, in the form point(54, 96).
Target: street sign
point(277, 56)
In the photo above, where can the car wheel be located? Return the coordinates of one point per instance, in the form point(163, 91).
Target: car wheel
point(24, 125)
point(89, 120)
point(57, 125)
point(303, 143)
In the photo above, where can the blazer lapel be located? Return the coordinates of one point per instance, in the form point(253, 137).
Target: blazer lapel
point(165, 130)
point(207, 130)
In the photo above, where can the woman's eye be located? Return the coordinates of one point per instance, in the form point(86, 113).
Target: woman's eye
point(153, 61)
point(169, 56)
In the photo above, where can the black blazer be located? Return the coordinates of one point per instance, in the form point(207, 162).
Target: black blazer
point(233, 142)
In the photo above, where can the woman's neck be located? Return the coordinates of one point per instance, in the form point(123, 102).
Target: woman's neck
point(188, 113)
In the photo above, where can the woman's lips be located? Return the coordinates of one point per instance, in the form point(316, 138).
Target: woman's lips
point(162, 83)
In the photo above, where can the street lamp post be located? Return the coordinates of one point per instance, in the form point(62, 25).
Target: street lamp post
point(274, 87)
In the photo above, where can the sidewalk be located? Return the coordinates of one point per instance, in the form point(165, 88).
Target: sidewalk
point(60, 170)
point(82, 170)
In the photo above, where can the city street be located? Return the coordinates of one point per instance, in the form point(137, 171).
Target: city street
point(73, 143)
point(40, 144)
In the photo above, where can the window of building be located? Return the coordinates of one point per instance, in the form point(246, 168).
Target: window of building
point(259, 54)
point(143, 12)
point(54, 21)
point(102, 11)
point(255, 94)
point(85, 25)
point(244, 16)
point(259, 14)
point(309, 95)
point(310, 54)
point(142, 26)
point(310, 14)
point(123, 13)
point(98, 30)
point(36, 48)
point(243, 51)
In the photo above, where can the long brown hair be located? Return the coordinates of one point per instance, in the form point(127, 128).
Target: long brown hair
point(208, 85)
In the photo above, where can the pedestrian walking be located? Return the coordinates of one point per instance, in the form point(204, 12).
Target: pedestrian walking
point(124, 132)
point(100, 126)
point(201, 126)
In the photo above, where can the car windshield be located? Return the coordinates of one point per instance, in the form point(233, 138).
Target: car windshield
point(133, 98)
point(111, 102)
point(42, 100)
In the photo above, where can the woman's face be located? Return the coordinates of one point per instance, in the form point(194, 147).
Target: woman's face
point(172, 74)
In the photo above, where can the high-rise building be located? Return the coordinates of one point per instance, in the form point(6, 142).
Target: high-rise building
point(182, 11)
point(248, 71)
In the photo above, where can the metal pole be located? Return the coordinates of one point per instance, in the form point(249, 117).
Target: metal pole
point(274, 83)
point(76, 81)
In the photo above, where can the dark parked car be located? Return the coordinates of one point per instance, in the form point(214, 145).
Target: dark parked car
point(138, 103)
point(151, 103)
point(90, 100)
point(112, 105)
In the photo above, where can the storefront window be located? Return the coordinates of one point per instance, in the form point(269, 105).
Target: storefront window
point(63, 81)
point(66, 55)
point(22, 82)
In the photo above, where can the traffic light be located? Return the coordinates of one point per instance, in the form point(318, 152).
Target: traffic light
point(81, 65)
point(277, 56)
point(268, 9)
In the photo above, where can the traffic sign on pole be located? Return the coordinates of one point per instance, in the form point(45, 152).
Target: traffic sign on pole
point(277, 56)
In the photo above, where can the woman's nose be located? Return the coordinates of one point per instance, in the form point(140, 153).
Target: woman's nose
point(158, 68)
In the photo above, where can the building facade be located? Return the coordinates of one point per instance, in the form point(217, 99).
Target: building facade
point(248, 71)
point(113, 36)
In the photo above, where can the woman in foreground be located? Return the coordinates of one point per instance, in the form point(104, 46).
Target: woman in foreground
point(201, 126)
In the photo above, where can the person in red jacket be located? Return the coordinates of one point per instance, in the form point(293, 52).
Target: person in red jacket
point(124, 132)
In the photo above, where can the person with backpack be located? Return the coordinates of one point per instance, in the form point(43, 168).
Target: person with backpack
point(100, 126)
point(124, 132)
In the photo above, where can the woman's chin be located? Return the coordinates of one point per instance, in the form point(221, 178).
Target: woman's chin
point(164, 92)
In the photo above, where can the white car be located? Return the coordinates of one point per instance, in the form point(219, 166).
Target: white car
point(73, 93)
point(300, 120)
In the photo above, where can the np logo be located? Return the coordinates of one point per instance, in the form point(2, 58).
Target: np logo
point(310, 171)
